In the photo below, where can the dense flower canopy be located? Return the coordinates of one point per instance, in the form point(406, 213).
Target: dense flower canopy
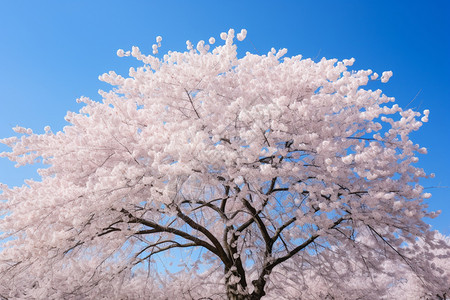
point(281, 173)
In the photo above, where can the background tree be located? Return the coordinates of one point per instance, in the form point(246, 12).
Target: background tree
point(269, 167)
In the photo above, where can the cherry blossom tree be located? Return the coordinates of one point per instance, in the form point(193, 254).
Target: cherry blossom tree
point(281, 177)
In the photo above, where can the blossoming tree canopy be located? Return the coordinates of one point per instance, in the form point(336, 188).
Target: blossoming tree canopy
point(266, 166)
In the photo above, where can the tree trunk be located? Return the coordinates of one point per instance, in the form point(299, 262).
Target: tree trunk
point(232, 295)
point(258, 291)
point(236, 285)
point(237, 291)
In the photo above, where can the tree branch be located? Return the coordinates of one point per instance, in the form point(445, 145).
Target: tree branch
point(300, 247)
point(220, 251)
point(282, 227)
point(174, 245)
point(261, 225)
point(192, 103)
point(159, 228)
point(207, 204)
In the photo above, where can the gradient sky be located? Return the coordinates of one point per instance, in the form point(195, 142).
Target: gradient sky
point(51, 52)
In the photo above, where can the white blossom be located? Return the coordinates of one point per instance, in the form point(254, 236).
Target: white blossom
point(386, 76)
point(241, 36)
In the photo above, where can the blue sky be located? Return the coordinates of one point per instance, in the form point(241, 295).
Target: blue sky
point(51, 52)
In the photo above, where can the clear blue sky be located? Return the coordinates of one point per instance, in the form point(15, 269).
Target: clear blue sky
point(51, 52)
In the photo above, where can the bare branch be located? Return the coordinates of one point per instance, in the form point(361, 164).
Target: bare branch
point(219, 249)
point(159, 228)
point(281, 228)
point(192, 103)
